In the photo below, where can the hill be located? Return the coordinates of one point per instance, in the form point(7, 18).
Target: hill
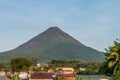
point(53, 44)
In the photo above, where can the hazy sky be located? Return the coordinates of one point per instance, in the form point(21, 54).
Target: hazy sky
point(95, 23)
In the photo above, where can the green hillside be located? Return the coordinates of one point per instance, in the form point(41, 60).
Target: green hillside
point(53, 44)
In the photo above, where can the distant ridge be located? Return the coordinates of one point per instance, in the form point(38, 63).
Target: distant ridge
point(53, 44)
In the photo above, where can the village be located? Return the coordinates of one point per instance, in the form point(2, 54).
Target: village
point(54, 70)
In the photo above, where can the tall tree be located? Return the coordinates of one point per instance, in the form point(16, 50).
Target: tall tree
point(113, 58)
point(20, 64)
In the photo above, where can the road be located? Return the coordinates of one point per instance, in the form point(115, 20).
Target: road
point(2, 78)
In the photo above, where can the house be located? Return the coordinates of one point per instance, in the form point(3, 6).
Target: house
point(51, 76)
point(66, 70)
point(42, 76)
point(92, 77)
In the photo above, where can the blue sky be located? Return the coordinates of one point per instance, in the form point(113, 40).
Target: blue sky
point(95, 23)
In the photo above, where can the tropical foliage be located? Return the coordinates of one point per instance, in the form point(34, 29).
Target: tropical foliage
point(63, 63)
point(91, 69)
point(112, 63)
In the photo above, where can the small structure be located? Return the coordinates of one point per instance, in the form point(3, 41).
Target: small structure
point(92, 77)
point(24, 75)
point(82, 69)
point(38, 65)
point(2, 73)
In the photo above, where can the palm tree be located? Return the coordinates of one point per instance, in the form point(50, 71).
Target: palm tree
point(113, 59)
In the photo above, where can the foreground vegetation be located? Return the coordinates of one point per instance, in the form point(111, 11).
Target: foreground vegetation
point(111, 66)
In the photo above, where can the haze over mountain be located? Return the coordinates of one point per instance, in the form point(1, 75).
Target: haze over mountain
point(53, 44)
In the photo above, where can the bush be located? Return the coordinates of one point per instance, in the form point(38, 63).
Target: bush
point(8, 76)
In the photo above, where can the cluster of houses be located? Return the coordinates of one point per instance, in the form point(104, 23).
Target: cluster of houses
point(64, 73)
point(61, 74)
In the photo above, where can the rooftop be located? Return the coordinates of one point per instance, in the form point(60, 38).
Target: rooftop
point(49, 75)
point(93, 76)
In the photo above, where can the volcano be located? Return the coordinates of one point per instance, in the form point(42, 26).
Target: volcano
point(53, 44)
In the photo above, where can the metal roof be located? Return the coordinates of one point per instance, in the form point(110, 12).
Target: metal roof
point(93, 76)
